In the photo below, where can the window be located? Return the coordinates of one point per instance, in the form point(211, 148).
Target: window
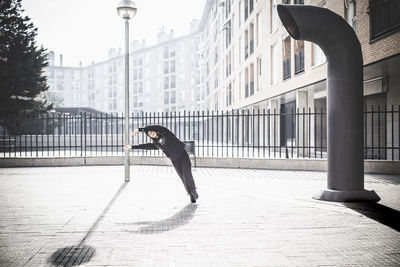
point(227, 8)
point(251, 38)
point(216, 78)
point(140, 74)
point(228, 33)
point(274, 16)
point(216, 55)
point(384, 18)
point(60, 85)
point(318, 55)
point(240, 13)
point(172, 66)
point(60, 74)
point(240, 85)
point(140, 87)
point(229, 95)
point(166, 67)
point(246, 45)
point(166, 82)
point(140, 61)
point(286, 56)
point(173, 97)
point(258, 73)
point(173, 82)
point(298, 57)
point(246, 81)
point(251, 79)
point(351, 12)
point(166, 98)
point(259, 29)
point(299, 2)
point(246, 9)
point(166, 51)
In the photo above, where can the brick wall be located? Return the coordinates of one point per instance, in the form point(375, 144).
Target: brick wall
point(375, 51)
point(380, 49)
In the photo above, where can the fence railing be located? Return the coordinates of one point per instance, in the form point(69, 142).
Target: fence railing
point(284, 133)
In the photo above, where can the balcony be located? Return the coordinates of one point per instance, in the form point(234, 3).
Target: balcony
point(299, 62)
point(286, 69)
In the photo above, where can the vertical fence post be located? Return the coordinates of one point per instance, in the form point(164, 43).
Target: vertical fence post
point(372, 130)
point(85, 130)
point(392, 120)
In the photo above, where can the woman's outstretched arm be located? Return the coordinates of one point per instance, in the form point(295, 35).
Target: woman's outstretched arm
point(148, 146)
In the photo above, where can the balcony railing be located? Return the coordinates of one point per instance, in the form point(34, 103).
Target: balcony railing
point(284, 133)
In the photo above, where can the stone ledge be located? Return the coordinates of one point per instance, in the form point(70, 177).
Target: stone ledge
point(370, 166)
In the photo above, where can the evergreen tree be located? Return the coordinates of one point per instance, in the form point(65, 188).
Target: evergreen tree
point(21, 63)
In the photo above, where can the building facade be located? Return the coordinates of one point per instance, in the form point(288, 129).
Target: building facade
point(252, 62)
point(238, 56)
point(163, 77)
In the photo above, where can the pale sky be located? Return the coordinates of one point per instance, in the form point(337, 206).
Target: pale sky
point(84, 30)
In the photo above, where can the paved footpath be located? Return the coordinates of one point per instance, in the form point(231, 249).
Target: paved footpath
point(68, 216)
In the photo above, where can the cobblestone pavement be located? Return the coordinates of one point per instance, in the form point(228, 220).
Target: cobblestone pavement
point(86, 215)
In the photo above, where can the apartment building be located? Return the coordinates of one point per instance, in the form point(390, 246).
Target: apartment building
point(253, 63)
point(238, 56)
point(163, 77)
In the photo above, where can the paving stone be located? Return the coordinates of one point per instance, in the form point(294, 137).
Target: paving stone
point(68, 216)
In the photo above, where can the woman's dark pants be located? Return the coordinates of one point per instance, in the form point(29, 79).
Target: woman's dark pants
point(183, 167)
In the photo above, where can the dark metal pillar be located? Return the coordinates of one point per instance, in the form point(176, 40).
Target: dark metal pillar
point(344, 97)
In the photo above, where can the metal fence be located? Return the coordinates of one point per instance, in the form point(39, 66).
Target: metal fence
point(284, 133)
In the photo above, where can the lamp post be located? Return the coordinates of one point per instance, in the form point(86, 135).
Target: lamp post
point(126, 9)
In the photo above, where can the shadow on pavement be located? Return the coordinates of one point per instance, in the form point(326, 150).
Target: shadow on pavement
point(380, 213)
point(80, 253)
point(179, 219)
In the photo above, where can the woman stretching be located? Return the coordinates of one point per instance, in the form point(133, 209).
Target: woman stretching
point(174, 149)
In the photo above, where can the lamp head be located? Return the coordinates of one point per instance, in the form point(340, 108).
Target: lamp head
point(126, 9)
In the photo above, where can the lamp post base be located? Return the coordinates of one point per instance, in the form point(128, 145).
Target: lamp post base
point(347, 196)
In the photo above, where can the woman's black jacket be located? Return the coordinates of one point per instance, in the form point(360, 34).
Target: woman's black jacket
point(166, 141)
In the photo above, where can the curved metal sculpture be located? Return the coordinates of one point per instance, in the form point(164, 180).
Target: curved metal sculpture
point(344, 97)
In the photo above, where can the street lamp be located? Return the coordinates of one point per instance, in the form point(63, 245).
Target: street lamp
point(126, 9)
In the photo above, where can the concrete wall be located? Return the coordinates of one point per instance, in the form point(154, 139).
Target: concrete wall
point(371, 166)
